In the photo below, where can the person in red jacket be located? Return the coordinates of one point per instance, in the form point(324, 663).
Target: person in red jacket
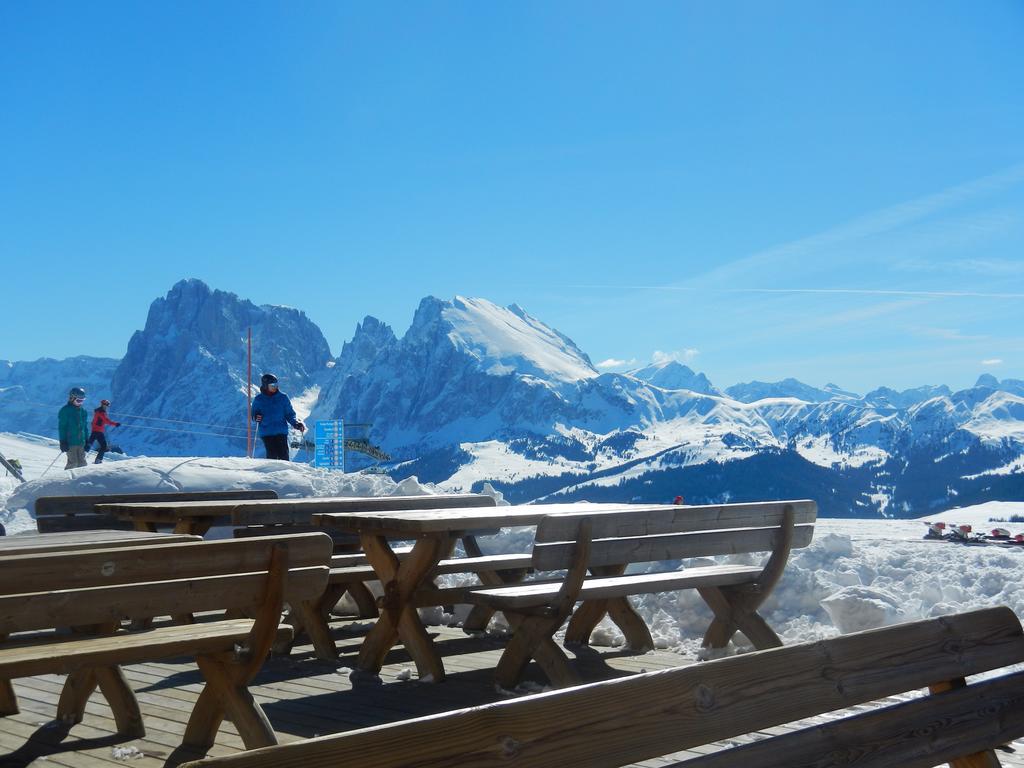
point(100, 421)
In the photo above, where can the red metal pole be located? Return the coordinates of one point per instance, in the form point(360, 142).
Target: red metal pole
point(248, 410)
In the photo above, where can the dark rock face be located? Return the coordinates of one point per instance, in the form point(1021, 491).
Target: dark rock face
point(189, 365)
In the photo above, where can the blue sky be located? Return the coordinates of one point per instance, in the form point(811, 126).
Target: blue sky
point(831, 191)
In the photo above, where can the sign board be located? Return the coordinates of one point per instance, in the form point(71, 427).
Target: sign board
point(329, 438)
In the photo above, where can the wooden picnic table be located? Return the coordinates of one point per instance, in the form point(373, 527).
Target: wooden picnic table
point(38, 543)
point(434, 533)
point(197, 517)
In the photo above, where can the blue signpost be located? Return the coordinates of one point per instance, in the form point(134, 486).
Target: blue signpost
point(330, 444)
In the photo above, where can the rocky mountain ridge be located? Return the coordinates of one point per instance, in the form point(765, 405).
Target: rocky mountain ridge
point(474, 392)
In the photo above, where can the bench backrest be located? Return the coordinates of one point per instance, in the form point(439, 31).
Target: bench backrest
point(77, 513)
point(103, 585)
point(626, 720)
point(672, 533)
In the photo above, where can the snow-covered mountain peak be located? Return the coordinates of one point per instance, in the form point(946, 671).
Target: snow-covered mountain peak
point(839, 393)
point(507, 340)
point(671, 374)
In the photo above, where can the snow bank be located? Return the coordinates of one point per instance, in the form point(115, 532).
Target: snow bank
point(170, 474)
point(856, 574)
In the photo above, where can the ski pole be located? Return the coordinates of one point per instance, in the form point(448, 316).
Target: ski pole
point(255, 437)
point(52, 462)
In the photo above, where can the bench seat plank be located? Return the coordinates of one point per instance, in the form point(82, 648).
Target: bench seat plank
point(539, 592)
point(49, 655)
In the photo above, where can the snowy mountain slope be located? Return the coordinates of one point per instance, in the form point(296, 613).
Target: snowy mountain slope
point(508, 340)
point(474, 392)
point(31, 393)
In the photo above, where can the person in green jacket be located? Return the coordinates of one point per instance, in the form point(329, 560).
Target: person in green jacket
point(73, 428)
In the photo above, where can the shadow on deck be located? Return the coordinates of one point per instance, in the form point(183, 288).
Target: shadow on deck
point(303, 697)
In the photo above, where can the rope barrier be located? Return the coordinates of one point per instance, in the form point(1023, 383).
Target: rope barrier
point(44, 406)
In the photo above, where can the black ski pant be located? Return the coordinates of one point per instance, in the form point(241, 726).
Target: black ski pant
point(101, 440)
point(277, 446)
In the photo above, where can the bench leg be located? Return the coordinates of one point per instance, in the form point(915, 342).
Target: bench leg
point(589, 613)
point(310, 620)
point(78, 687)
point(637, 633)
point(736, 611)
point(480, 615)
point(119, 695)
point(533, 639)
point(226, 695)
point(8, 701)
point(364, 600)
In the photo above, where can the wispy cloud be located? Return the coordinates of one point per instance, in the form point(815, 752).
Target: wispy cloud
point(947, 334)
point(611, 362)
point(986, 267)
point(991, 362)
point(852, 291)
point(860, 229)
point(679, 356)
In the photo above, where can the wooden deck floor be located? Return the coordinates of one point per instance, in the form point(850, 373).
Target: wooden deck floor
point(301, 695)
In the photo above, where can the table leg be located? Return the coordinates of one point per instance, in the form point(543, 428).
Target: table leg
point(398, 616)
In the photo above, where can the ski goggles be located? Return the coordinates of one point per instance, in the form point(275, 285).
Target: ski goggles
point(78, 400)
point(271, 385)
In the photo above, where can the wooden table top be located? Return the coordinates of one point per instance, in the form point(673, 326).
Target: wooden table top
point(426, 522)
point(36, 543)
point(284, 511)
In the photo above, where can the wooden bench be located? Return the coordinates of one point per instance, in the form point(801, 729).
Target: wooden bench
point(94, 591)
point(606, 544)
point(78, 513)
point(655, 714)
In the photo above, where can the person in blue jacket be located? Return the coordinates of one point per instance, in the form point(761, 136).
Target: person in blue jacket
point(272, 411)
